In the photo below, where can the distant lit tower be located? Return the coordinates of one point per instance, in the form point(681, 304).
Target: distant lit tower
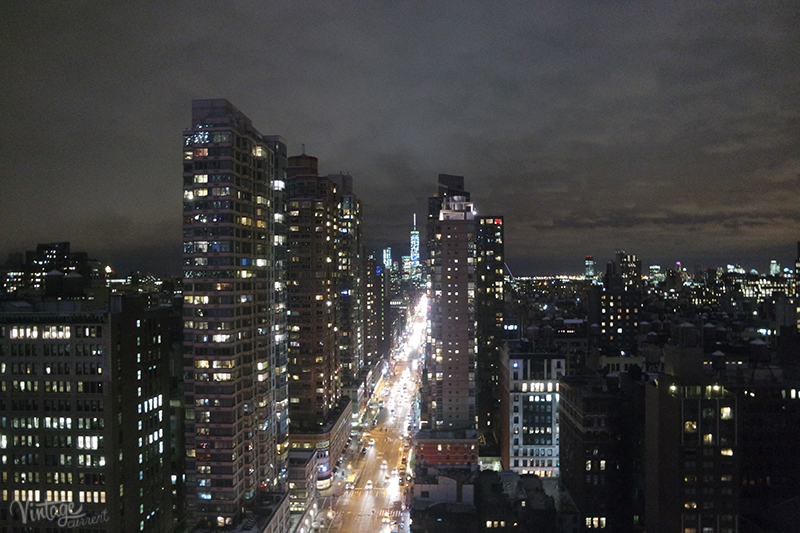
point(629, 267)
point(415, 244)
point(377, 326)
point(620, 302)
point(387, 258)
point(589, 264)
point(774, 268)
point(797, 262)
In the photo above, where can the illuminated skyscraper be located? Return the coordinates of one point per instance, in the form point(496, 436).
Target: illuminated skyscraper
point(589, 267)
point(415, 244)
point(489, 305)
point(387, 258)
point(350, 289)
point(234, 312)
point(451, 366)
point(318, 254)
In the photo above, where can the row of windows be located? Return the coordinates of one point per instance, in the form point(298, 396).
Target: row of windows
point(85, 387)
point(536, 462)
point(48, 349)
point(49, 332)
point(28, 404)
point(82, 496)
point(52, 368)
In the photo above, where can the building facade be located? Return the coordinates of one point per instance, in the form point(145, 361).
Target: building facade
point(529, 406)
point(234, 313)
point(84, 415)
point(448, 391)
point(489, 305)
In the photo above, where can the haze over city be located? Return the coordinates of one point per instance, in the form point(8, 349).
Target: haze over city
point(667, 129)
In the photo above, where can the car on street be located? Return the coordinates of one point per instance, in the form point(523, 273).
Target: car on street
point(368, 485)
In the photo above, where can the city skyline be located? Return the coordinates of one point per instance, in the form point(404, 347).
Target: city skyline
point(667, 131)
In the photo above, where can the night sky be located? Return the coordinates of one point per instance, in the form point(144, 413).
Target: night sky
point(668, 129)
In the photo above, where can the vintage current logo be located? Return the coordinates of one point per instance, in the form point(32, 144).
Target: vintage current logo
point(63, 513)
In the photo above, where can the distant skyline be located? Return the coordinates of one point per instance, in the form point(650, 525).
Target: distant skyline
point(670, 130)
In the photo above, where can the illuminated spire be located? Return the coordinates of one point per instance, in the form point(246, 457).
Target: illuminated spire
point(415, 244)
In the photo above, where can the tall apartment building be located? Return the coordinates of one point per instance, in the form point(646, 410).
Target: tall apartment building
point(615, 306)
point(489, 310)
point(84, 415)
point(350, 259)
point(314, 363)
point(377, 326)
point(321, 417)
point(234, 313)
point(449, 376)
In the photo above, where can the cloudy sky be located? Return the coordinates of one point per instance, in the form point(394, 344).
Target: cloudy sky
point(669, 129)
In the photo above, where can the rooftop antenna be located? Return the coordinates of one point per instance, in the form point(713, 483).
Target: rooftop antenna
point(415, 221)
point(304, 148)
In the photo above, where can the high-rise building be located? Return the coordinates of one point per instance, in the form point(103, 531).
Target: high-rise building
point(628, 267)
point(589, 267)
point(489, 286)
point(234, 313)
point(797, 267)
point(350, 258)
point(314, 365)
point(615, 306)
point(377, 325)
point(85, 414)
point(415, 244)
point(449, 376)
point(321, 416)
point(387, 258)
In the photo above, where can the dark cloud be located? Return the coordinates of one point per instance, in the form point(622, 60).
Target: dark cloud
point(671, 130)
